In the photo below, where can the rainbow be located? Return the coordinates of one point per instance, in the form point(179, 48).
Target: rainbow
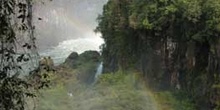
point(74, 22)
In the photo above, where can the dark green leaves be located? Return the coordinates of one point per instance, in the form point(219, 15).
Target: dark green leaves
point(181, 36)
point(22, 11)
point(16, 50)
point(26, 45)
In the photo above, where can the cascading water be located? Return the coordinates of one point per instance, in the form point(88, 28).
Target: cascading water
point(67, 26)
point(67, 47)
point(98, 72)
point(67, 21)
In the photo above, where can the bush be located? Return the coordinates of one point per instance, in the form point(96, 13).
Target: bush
point(173, 101)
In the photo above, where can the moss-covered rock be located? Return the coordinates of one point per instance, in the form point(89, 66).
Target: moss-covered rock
point(85, 65)
point(90, 56)
point(72, 60)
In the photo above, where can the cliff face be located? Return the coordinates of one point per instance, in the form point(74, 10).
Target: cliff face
point(159, 40)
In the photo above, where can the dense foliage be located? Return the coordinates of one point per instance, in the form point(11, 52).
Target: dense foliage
point(174, 43)
point(18, 55)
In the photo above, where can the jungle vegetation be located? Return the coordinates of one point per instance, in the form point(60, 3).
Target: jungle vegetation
point(174, 44)
point(17, 50)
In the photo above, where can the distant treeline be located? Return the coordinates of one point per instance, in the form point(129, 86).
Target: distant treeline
point(175, 44)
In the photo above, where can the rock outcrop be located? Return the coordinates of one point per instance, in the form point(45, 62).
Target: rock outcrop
point(85, 64)
point(72, 59)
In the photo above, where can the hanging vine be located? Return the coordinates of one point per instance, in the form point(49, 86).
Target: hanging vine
point(18, 53)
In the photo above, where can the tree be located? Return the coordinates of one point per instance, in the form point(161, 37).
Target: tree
point(182, 36)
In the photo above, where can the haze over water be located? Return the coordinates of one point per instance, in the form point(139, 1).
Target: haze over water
point(64, 26)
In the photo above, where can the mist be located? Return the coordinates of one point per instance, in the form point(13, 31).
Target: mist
point(63, 20)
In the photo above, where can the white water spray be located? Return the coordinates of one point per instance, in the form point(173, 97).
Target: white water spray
point(98, 72)
point(65, 48)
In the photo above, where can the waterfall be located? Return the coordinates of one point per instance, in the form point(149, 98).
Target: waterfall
point(98, 72)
